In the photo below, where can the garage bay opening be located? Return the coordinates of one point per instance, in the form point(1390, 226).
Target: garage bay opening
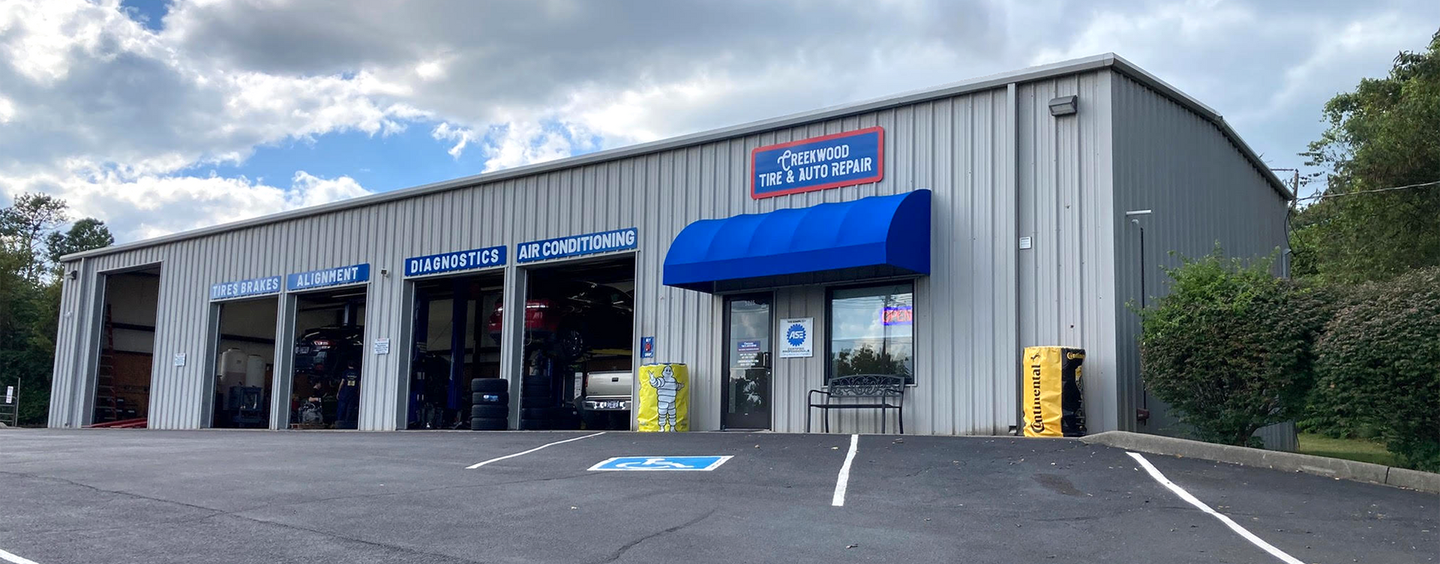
point(244, 363)
point(579, 340)
point(126, 348)
point(329, 350)
point(455, 378)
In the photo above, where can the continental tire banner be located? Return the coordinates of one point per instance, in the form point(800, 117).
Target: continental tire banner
point(1053, 406)
point(664, 398)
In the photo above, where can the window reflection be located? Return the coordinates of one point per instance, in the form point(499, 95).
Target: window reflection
point(872, 331)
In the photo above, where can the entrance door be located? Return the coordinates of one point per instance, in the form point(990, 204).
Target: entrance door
point(746, 390)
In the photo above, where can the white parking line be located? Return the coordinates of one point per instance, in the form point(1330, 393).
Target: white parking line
point(16, 559)
point(844, 480)
point(479, 464)
point(1206, 508)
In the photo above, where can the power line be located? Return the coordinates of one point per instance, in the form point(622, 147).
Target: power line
point(1318, 197)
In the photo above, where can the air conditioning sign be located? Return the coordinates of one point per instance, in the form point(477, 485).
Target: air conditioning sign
point(818, 163)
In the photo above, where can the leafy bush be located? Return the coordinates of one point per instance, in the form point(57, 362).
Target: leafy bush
point(1230, 348)
point(1379, 367)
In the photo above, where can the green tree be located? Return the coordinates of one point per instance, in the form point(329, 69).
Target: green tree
point(84, 235)
point(30, 285)
point(1229, 348)
point(1383, 135)
point(25, 227)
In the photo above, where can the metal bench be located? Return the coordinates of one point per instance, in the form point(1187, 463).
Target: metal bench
point(861, 391)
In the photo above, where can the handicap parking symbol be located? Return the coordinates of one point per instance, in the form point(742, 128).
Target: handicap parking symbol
point(660, 463)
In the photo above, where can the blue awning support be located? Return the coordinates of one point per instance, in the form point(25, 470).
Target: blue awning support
point(875, 237)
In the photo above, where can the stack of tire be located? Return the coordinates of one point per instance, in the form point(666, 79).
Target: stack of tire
point(489, 404)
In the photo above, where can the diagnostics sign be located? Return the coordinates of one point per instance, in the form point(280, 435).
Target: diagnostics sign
point(818, 163)
point(455, 261)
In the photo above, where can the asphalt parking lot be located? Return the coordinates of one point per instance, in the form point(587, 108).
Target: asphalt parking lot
point(241, 496)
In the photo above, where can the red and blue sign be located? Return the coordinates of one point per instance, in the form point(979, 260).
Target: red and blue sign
point(897, 315)
point(818, 163)
point(647, 347)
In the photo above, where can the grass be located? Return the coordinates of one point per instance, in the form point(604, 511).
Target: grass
point(1361, 450)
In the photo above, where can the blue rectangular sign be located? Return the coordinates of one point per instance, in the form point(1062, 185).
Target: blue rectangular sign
point(244, 288)
point(647, 347)
point(660, 463)
point(455, 261)
point(818, 163)
point(575, 245)
point(749, 346)
point(339, 276)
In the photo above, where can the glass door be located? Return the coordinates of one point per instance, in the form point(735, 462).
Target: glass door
point(745, 393)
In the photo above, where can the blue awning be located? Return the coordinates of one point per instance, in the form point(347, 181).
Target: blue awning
point(869, 237)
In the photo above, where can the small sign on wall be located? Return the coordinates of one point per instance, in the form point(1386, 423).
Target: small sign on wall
point(647, 347)
point(382, 346)
point(797, 337)
point(179, 359)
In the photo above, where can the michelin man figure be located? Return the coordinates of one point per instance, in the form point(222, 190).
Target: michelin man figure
point(666, 388)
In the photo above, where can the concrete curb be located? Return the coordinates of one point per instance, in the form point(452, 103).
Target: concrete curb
point(1274, 460)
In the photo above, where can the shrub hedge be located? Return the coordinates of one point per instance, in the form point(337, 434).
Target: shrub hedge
point(1378, 368)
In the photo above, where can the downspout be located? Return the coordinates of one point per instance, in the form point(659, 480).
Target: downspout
point(1012, 150)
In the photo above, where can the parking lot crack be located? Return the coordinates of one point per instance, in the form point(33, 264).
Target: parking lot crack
point(632, 544)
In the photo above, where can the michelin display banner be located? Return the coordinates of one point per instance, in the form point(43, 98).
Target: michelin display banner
point(664, 398)
point(1053, 403)
point(818, 163)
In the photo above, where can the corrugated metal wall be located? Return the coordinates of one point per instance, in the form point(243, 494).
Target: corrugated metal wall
point(955, 146)
point(1202, 192)
point(997, 170)
point(1066, 295)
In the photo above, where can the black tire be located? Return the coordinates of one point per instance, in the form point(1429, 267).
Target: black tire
point(489, 412)
point(570, 343)
point(490, 398)
point(483, 424)
point(490, 385)
point(535, 424)
point(537, 401)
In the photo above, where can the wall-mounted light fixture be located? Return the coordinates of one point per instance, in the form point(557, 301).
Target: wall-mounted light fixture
point(74, 274)
point(1064, 105)
point(385, 272)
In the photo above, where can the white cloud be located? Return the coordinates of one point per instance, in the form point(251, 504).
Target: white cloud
point(149, 205)
point(92, 102)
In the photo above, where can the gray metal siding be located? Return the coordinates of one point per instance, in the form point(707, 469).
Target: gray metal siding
point(1066, 295)
point(997, 171)
point(966, 349)
point(1203, 191)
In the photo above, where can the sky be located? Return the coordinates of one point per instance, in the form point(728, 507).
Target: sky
point(160, 116)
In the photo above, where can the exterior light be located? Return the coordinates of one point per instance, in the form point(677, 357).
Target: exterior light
point(1064, 106)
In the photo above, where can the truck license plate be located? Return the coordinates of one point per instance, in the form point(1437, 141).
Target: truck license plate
point(612, 405)
point(302, 350)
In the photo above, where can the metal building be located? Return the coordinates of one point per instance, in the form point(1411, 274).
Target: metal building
point(1029, 174)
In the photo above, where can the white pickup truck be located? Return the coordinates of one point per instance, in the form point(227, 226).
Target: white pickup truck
point(606, 400)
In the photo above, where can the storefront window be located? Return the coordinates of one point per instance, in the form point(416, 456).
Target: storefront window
point(872, 331)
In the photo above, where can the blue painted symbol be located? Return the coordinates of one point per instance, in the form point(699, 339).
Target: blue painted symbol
point(660, 463)
point(795, 335)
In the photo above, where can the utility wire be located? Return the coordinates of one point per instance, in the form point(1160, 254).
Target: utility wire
point(1318, 197)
